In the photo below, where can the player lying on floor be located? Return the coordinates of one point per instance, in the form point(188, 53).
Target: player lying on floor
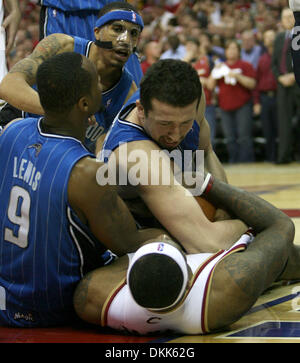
point(158, 288)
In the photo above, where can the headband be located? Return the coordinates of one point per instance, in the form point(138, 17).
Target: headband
point(166, 249)
point(130, 16)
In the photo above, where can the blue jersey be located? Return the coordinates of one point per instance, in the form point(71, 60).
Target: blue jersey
point(44, 248)
point(123, 131)
point(112, 99)
point(78, 18)
point(75, 5)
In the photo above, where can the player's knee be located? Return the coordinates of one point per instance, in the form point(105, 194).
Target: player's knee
point(85, 302)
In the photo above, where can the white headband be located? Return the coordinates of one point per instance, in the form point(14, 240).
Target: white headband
point(162, 248)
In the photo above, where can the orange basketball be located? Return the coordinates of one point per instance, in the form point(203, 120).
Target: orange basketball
point(208, 209)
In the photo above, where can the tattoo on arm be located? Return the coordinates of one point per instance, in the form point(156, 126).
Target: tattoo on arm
point(256, 268)
point(45, 49)
point(28, 67)
point(248, 207)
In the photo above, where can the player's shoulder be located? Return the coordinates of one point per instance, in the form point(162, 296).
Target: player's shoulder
point(57, 42)
point(85, 168)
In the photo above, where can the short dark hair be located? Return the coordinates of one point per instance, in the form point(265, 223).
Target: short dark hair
point(155, 281)
point(171, 81)
point(114, 6)
point(61, 82)
point(234, 41)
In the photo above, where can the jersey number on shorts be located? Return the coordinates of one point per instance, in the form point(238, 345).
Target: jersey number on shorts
point(18, 213)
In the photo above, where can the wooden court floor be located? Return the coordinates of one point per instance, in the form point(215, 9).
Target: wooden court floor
point(274, 318)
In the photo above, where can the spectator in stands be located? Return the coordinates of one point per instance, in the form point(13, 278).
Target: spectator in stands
point(236, 80)
point(287, 91)
point(192, 50)
point(152, 51)
point(250, 51)
point(26, 36)
point(176, 50)
point(204, 65)
point(265, 97)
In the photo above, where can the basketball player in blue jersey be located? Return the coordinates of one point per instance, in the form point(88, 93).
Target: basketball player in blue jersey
point(77, 18)
point(168, 114)
point(159, 289)
point(57, 223)
point(295, 6)
point(116, 32)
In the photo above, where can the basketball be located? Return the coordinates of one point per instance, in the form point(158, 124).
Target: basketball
point(208, 209)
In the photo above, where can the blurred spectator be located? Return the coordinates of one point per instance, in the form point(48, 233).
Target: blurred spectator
point(10, 16)
point(176, 50)
point(288, 94)
point(152, 51)
point(265, 97)
point(217, 46)
point(213, 47)
point(250, 50)
point(28, 33)
point(236, 79)
point(191, 50)
point(204, 65)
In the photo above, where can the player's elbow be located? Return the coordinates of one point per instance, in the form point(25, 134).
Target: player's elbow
point(5, 87)
point(2, 90)
point(285, 227)
point(288, 229)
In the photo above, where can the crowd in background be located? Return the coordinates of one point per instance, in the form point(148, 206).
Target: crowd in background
point(253, 111)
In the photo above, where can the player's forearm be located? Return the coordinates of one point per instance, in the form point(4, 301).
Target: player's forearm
point(18, 93)
point(251, 209)
point(181, 216)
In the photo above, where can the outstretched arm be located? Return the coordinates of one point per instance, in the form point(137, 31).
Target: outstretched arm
point(170, 203)
point(211, 162)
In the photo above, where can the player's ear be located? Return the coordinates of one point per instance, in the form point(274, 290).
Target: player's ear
point(140, 110)
point(83, 104)
point(96, 32)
